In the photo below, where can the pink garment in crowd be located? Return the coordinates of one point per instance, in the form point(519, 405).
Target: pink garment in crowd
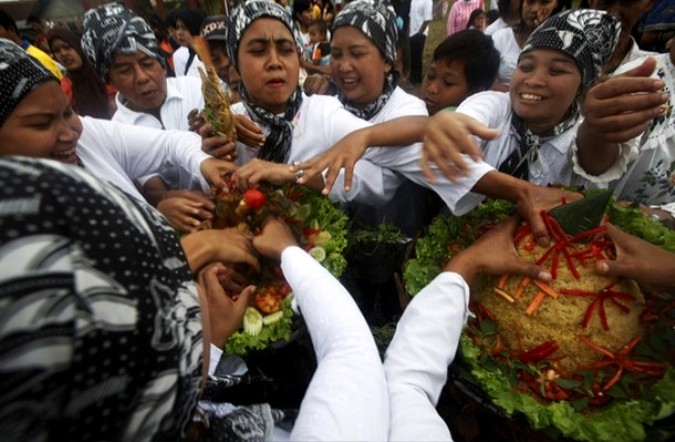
point(459, 15)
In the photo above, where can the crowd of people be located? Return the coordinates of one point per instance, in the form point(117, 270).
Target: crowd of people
point(112, 324)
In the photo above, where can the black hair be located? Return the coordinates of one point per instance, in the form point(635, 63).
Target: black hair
point(504, 7)
point(492, 16)
point(192, 19)
point(300, 6)
point(7, 22)
point(323, 27)
point(475, 13)
point(477, 52)
point(403, 44)
point(33, 19)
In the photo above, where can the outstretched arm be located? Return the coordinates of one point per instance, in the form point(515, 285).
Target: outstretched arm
point(427, 335)
point(347, 394)
point(616, 111)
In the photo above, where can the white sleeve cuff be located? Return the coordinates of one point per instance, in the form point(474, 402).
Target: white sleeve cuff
point(627, 151)
point(214, 358)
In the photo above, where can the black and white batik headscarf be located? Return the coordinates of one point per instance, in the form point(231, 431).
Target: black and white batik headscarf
point(278, 142)
point(102, 331)
point(377, 21)
point(19, 75)
point(588, 37)
point(113, 29)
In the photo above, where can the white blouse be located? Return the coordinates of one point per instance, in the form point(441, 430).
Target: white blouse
point(509, 51)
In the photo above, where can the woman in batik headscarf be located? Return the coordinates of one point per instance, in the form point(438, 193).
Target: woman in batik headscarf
point(539, 117)
point(264, 47)
point(102, 335)
point(37, 120)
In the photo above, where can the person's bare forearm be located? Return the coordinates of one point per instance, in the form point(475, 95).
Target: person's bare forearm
point(501, 186)
point(197, 249)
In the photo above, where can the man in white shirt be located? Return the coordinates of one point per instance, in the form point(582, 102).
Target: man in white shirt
point(420, 16)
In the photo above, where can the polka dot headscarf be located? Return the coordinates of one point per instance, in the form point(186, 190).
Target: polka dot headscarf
point(246, 13)
point(19, 75)
point(113, 29)
point(588, 36)
point(377, 20)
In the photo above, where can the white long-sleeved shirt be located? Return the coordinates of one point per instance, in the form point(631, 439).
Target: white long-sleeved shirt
point(554, 161)
point(509, 51)
point(322, 121)
point(182, 95)
point(416, 362)
point(347, 396)
point(119, 153)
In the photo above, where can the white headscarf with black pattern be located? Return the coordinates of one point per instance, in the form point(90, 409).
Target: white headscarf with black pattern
point(19, 75)
point(113, 29)
point(377, 21)
point(588, 37)
point(278, 142)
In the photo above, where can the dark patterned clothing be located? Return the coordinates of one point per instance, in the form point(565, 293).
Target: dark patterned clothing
point(101, 328)
point(19, 75)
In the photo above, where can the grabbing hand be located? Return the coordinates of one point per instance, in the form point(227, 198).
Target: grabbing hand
point(229, 246)
point(255, 171)
point(448, 136)
point(639, 260)
point(342, 155)
point(495, 254)
point(620, 108)
point(217, 145)
point(195, 120)
point(248, 132)
point(186, 209)
point(214, 169)
point(274, 239)
point(224, 313)
point(536, 199)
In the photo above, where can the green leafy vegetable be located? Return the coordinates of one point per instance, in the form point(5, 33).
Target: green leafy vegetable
point(241, 342)
point(621, 419)
point(584, 214)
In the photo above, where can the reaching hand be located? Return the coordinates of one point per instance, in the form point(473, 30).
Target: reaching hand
point(186, 209)
point(217, 145)
point(536, 199)
point(256, 171)
point(448, 135)
point(620, 108)
point(639, 260)
point(214, 169)
point(195, 120)
point(495, 254)
point(274, 239)
point(225, 314)
point(342, 155)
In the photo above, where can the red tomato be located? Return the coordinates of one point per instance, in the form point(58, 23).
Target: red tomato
point(254, 198)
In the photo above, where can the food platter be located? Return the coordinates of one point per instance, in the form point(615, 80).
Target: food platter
point(319, 228)
point(608, 399)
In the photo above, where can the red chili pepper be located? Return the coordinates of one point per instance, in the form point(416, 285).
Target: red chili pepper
point(254, 198)
point(539, 352)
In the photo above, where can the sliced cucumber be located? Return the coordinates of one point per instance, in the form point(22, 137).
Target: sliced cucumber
point(274, 317)
point(253, 321)
point(318, 253)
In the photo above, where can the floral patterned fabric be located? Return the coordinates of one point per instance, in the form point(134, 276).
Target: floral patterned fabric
point(101, 328)
point(650, 178)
